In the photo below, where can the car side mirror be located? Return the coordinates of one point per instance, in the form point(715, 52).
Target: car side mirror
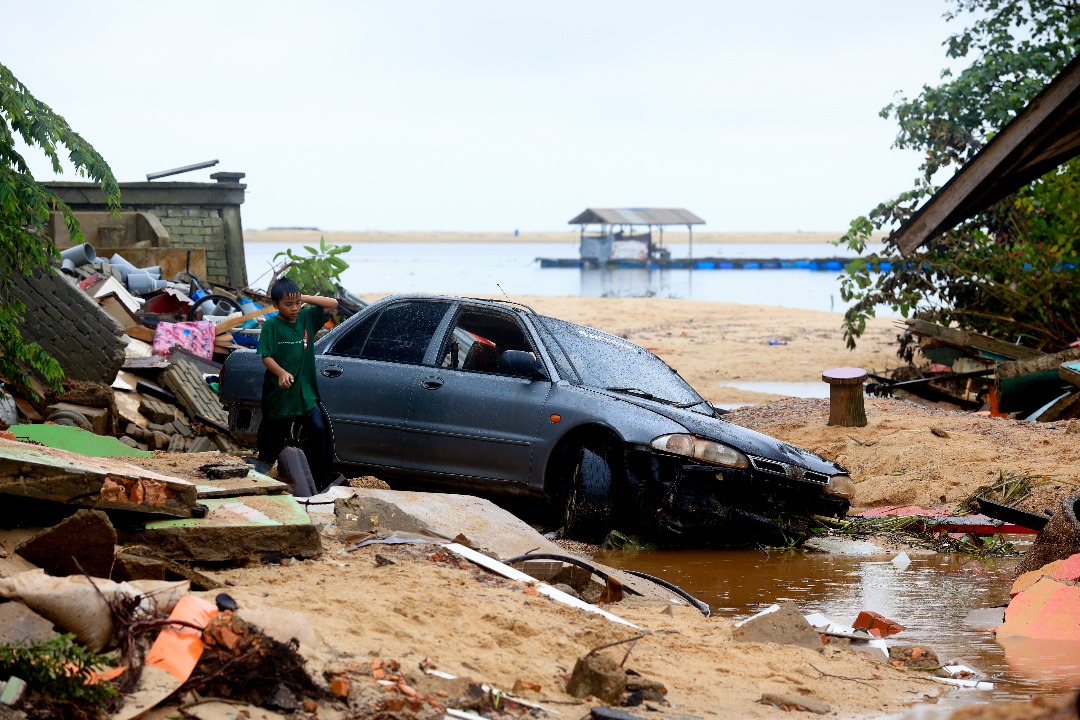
point(521, 364)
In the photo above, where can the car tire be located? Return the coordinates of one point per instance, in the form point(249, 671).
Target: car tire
point(589, 503)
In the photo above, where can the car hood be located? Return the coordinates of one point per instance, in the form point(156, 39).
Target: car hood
point(749, 441)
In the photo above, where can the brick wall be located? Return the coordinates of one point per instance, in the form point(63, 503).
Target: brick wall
point(69, 325)
point(198, 227)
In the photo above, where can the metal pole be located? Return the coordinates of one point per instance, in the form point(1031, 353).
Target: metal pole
point(177, 171)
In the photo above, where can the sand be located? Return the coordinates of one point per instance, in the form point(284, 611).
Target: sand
point(466, 622)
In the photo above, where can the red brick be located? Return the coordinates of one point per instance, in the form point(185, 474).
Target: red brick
point(877, 625)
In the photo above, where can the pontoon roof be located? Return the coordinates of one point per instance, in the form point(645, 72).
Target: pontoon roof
point(637, 216)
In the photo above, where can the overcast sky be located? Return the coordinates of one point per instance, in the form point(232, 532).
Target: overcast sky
point(494, 115)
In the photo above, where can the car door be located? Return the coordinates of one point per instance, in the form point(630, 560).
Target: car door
point(468, 417)
point(366, 376)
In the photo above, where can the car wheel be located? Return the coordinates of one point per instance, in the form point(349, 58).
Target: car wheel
point(589, 503)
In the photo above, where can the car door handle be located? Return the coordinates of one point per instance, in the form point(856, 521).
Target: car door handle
point(332, 371)
point(431, 383)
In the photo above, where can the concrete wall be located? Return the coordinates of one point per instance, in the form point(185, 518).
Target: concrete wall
point(195, 215)
point(70, 325)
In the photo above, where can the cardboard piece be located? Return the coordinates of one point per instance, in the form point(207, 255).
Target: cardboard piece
point(111, 303)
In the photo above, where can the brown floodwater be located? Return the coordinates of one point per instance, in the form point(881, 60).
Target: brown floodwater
point(937, 598)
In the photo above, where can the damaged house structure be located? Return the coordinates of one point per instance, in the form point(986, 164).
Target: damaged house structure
point(1032, 384)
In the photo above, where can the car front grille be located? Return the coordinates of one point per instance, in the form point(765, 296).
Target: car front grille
point(775, 467)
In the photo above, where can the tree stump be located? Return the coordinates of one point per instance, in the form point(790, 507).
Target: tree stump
point(846, 396)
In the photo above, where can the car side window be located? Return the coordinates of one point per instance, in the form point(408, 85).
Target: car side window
point(401, 333)
point(479, 339)
point(353, 343)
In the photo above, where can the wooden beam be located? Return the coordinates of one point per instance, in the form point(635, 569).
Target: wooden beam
point(1042, 136)
point(971, 341)
point(226, 325)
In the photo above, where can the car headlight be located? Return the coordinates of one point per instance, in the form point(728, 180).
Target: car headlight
point(708, 451)
point(841, 486)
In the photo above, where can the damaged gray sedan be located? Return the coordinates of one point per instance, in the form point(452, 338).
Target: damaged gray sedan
point(491, 398)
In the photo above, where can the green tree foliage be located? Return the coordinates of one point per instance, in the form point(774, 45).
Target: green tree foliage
point(1012, 270)
point(25, 205)
point(319, 272)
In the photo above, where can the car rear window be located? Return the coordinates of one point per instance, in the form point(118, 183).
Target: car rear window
point(401, 333)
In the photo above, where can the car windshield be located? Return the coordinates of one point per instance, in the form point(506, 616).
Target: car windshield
point(610, 362)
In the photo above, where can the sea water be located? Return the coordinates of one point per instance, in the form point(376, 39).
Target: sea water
point(512, 269)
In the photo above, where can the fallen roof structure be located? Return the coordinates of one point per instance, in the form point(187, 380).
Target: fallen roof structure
point(1045, 134)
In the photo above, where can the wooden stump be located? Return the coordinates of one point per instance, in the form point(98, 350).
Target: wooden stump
point(846, 396)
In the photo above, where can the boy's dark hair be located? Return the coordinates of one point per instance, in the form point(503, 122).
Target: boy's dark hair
point(282, 287)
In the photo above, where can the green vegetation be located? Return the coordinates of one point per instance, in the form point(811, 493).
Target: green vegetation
point(318, 273)
point(25, 205)
point(1011, 271)
point(59, 674)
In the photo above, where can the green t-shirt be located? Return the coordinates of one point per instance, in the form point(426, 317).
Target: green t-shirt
point(293, 348)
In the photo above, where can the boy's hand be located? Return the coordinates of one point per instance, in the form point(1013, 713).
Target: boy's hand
point(285, 379)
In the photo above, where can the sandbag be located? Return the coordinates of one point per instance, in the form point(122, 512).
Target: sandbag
point(77, 604)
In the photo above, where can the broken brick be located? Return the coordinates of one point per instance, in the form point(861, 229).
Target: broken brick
point(877, 625)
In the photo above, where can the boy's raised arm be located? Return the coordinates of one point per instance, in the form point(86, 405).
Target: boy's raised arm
point(326, 303)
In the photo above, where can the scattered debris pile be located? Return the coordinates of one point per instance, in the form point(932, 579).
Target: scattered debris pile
point(158, 343)
point(982, 373)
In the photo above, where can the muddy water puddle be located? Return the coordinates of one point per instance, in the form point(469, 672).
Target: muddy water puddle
point(937, 597)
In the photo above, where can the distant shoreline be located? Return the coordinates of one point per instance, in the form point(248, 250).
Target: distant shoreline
point(348, 237)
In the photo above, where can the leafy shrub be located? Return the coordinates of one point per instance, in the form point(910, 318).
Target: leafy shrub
point(58, 672)
point(319, 273)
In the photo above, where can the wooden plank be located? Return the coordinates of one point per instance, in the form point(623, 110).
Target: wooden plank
point(112, 304)
point(140, 332)
point(152, 362)
point(1043, 363)
point(971, 341)
point(1070, 372)
point(231, 323)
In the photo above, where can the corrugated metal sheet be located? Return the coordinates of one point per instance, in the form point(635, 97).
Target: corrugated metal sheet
point(637, 216)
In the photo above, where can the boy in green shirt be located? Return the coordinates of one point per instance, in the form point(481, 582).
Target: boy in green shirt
point(292, 414)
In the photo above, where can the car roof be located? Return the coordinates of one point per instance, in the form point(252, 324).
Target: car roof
point(490, 302)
